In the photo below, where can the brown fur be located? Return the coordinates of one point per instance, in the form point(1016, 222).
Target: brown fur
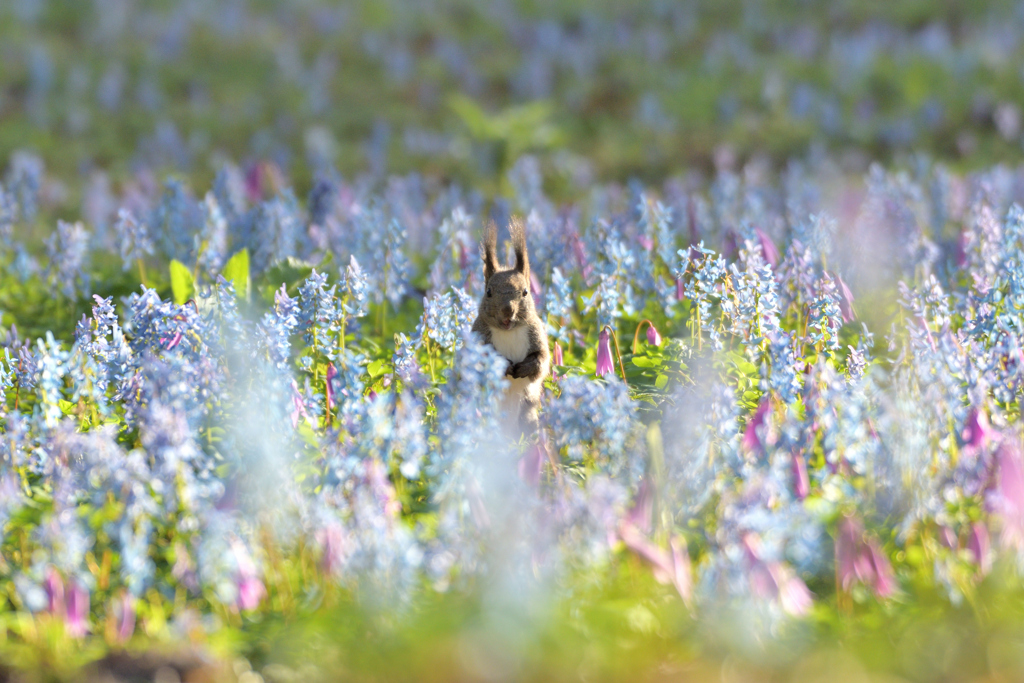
point(507, 300)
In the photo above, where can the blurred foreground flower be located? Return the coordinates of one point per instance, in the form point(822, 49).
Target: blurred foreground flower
point(772, 580)
point(1008, 499)
point(859, 558)
point(124, 611)
point(668, 566)
point(752, 435)
point(768, 248)
point(801, 482)
point(845, 301)
point(77, 610)
point(250, 588)
point(532, 462)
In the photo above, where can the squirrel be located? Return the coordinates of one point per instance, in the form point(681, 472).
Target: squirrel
point(508, 322)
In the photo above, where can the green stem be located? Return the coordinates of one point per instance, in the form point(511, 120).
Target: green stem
point(142, 272)
point(636, 335)
point(618, 355)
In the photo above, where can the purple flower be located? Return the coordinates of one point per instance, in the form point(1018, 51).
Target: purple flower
point(604, 354)
point(558, 358)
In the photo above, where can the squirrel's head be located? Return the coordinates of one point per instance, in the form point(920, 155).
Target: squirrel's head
point(506, 303)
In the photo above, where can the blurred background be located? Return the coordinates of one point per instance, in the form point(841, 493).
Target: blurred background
point(458, 90)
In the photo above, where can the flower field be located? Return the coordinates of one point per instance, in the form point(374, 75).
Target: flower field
point(247, 434)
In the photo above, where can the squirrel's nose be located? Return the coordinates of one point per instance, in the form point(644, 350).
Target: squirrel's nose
point(506, 311)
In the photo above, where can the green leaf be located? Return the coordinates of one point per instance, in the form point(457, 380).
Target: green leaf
point(645, 362)
point(66, 407)
point(661, 381)
point(377, 368)
point(290, 272)
point(236, 270)
point(183, 285)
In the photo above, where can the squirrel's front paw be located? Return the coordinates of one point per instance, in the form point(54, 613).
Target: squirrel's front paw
point(527, 368)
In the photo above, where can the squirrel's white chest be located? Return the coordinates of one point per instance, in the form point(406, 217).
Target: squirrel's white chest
point(514, 344)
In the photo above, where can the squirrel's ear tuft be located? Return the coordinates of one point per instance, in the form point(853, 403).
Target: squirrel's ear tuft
point(518, 232)
point(490, 250)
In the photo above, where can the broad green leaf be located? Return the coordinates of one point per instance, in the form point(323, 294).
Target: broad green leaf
point(183, 285)
point(236, 270)
point(645, 362)
point(377, 368)
point(661, 381)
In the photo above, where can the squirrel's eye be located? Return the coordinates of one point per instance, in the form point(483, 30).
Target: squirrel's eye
point(525, 292)
point(488, 291)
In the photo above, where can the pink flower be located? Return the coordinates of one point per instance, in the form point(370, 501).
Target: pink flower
point(978, 545)
point(845, 300)
point(332, 372)
point(948, 538)
point(531, 463)
point(751, 439)
point(801, 482)
point(653, 338)
point(667, 567)
point(1009, 494)
point(558, 358)
point(250, 588)
point(977, 433)
point(859, 559)
point(254, 183)
point(250, 592)
point(604, 354)
point(175, 340)
point(332, 543)
point(298, 407)
point(536, 289)
point(77, 610)
point(54, 587)
point(680, 291)
point(125, 609)
point(643, 507)
point(772, 580)
point(768, 248)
